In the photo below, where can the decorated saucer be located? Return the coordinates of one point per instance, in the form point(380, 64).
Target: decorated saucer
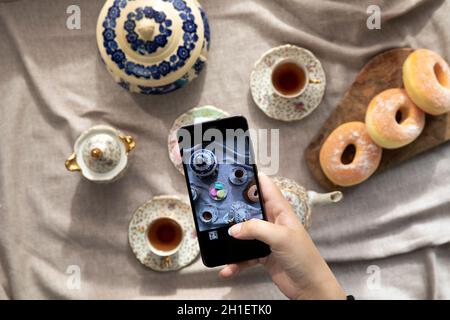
point(193, 116)
point(159, 207)
point(282, 108)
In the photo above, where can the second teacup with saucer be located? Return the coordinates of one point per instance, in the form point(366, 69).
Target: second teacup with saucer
point(165, 236)
point(290, 79)
point(162, 234)
point(288, 83)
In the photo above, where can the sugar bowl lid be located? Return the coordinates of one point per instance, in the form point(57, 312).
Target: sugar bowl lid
point(101, 153)
point(150, 42)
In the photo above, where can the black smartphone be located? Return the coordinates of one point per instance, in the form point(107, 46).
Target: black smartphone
point(223, 186)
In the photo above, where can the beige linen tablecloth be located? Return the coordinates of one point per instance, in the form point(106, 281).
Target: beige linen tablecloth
point(53, 86)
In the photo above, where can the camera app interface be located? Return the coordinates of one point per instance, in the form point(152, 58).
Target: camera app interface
point(222, 182)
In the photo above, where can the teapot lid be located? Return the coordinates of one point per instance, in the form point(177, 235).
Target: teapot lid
point(150, 42)
point(101, 153)
point(203, 162)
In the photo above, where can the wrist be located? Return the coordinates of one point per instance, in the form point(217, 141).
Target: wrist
point(323, 294)
point(329, 289)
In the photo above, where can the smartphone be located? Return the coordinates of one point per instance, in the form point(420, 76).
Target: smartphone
point(222, 181)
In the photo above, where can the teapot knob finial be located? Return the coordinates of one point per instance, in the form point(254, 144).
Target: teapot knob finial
point(146, 30)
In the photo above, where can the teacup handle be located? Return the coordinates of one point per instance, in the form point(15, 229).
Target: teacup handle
point(166, 262)
point(71, 163)
point(315, 81)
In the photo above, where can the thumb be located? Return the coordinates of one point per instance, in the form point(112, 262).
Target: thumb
point(257, 229)
point(270, 192)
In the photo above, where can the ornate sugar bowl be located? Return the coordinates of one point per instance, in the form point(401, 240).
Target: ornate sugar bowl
point(153, 46)
point(101, 154)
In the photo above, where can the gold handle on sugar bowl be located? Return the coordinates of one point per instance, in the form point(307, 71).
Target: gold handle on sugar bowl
point(129, 142)
point(71, 163)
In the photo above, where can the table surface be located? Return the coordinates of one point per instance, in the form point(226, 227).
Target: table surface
point(387, 239)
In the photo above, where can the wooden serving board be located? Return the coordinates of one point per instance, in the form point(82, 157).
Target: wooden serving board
point(382, 72)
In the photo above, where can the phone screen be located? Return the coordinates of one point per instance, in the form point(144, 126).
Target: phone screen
point(223, 187)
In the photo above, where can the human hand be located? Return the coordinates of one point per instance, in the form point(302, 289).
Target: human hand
point(295, 264)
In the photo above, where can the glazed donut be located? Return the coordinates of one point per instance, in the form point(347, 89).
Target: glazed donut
point(393, 120)
point(426, 77)
point(349, 156)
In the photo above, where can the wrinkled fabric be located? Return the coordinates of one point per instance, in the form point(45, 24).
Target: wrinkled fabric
point(389, 238)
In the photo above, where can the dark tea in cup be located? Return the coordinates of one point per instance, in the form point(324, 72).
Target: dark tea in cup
point(165, 234)
point(239, 173)
point(207, 216)
point(288, 79)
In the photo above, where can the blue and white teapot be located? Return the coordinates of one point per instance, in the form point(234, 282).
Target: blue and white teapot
point(153, 46)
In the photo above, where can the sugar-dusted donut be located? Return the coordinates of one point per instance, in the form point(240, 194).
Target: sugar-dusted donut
point(349, 156)
point(426, 77)
point(393, 120)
